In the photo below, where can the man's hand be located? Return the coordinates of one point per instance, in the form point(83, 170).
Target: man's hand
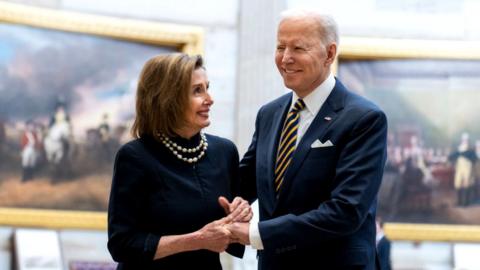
point(240, 232)
point(239, 210)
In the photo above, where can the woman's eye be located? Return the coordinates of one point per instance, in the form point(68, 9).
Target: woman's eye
point(197, 90)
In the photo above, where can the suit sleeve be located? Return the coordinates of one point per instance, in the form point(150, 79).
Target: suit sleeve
point(358, 175)
point(127, 239)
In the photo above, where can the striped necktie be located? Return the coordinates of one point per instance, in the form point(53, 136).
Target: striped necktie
point(288, 141)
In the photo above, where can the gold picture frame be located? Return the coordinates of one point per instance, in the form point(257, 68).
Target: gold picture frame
point(357, 48)
point(187, 39)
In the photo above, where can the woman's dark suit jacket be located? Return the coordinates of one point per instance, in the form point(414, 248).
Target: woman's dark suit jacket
point(154, 193)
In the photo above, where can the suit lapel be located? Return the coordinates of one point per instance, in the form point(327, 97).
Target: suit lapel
point(324, 118)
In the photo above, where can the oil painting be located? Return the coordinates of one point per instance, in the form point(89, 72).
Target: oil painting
point(432, 175)
point(66, 104)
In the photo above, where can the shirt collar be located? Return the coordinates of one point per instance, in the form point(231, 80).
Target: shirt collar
point(315, 100)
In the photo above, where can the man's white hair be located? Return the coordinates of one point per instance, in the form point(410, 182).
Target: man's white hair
point(328, 29)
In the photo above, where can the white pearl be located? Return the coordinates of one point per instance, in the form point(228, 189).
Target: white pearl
point(175, 149)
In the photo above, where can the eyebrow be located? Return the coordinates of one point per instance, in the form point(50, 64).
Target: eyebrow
point(200, 84)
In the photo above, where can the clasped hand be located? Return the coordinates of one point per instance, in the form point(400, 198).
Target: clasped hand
point(233, 228)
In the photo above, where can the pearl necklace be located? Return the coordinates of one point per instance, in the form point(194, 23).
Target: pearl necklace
point(177, 150)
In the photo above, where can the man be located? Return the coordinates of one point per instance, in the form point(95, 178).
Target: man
point(383, 247)
point(315, 161)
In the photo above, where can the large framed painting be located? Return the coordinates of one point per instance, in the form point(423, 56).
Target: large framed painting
point(429, 91)
point(67, 90)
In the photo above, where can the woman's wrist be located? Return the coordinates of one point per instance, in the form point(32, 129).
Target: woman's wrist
point(172, 244)
point(195, 240)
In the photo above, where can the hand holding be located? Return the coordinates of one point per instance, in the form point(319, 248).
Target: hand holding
point(215, 236)
point(239, 232)
point(239, 210)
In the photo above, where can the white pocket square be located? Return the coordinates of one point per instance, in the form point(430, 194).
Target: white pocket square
point(317, 144)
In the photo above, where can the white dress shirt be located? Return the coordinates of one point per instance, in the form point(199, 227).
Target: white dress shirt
point(313, 103)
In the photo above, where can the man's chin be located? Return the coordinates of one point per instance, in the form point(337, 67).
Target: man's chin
point(289, 85)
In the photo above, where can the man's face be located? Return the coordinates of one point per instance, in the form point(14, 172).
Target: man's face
point(301, 57)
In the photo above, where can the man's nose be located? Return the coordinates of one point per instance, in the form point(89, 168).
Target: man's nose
point(287, 56)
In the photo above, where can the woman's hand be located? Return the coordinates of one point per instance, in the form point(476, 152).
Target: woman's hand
point(239, 210)
point(215, 236)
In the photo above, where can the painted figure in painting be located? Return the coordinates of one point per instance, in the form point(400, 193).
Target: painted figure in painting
point(30, 150)
point(464, 159)
point(477, 171)
point(58, 143)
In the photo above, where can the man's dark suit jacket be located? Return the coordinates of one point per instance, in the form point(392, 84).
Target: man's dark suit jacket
point(324, 216)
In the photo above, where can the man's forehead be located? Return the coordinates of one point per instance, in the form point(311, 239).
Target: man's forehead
point(296, 38)
point(305, 29)
point(301, 22)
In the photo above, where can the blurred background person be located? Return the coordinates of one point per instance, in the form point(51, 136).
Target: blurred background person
point(383, 246)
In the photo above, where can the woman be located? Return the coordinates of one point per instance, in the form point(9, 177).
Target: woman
point(164, 210)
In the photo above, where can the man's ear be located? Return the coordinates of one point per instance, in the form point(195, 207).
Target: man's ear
point(331, 53)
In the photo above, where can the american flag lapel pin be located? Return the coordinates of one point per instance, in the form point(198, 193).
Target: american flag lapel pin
point(327, 118)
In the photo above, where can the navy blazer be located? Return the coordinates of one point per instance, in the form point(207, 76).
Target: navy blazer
point(324, 216)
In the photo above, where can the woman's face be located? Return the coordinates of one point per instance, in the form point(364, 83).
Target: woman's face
point(197, 113)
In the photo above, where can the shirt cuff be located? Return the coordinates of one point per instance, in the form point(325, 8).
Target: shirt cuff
point(254, 236)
